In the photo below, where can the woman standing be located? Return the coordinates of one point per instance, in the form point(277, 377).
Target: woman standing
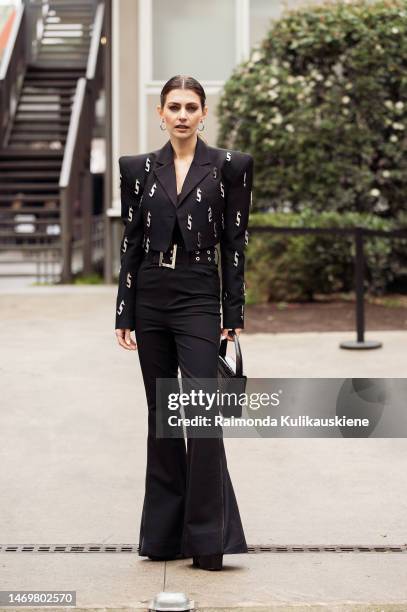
point(178, 203)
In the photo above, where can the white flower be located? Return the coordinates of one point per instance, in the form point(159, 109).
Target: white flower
point(393, 138)
point(277, 119)
point(328, 83)
point(399, 105)
point(256, 56)
point(397, 126)
point(273, 94)
point(374, 192)
point(395, 30)
point(386, 173)
point(273, 81)
point(289, 127)
point(345, 100)
point(388, 104)
point(345, 111)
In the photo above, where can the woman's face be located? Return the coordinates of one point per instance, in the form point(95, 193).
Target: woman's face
point(182, 108)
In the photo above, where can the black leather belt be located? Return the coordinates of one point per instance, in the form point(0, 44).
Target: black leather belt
point(178, 254)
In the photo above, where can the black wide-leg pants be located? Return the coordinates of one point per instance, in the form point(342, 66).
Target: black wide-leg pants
point(189, 504)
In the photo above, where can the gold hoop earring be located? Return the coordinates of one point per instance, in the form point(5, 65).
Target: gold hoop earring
point(163, 124)
point(203, 126)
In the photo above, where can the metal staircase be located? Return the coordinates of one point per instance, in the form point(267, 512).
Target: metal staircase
point(45, 187)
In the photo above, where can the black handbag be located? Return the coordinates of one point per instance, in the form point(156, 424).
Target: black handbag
point(229, 380)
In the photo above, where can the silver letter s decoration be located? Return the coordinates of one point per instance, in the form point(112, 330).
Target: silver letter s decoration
point(130, 217)
point(189, 221)
point(210, 214)
point(152, 190)
point(128, 280)
point(238, 214)
point(235, 262)
point(148, 219)
point(246, 238)
point(222, 190)
point(124, 249)
point(244, 180)
point(147, 245)
point(148, 164)
point(228, 156)
point(198, 194)
point(120, 309)
point(137, 186)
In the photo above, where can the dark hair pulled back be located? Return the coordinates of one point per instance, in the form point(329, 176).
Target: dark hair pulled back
point(183, 82)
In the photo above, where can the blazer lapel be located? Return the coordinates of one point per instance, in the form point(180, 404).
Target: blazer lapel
point(165, 170)
point(199, 168)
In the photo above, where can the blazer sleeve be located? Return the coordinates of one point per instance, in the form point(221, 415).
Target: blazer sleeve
point(233, 244)
point(131, 248)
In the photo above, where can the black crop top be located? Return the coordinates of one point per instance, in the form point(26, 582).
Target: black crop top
point(176, 235)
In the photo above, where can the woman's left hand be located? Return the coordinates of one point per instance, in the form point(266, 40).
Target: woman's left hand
point(225, 332)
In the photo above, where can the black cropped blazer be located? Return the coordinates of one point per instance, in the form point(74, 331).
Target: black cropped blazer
point(213, 207)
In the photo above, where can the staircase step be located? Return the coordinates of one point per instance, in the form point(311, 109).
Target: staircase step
point(39, 197)
point(42, 165)
point(51, 98)
point(45, 106)
point(60, 43)
point(40, 130)
point(8, 154)
point(29, 174)
point(40, 84)
point(40, 209)
point(48, 73)
point(35, 119)
point(32, 141)
point(28, 187)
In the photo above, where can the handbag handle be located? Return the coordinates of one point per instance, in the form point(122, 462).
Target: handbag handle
point(223, 348)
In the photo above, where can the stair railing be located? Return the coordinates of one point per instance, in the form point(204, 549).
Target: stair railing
point(75, 184)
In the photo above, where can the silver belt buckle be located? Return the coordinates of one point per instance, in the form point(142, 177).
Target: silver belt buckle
point(173, 258)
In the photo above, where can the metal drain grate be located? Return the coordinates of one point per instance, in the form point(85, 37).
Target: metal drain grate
point(254, 548)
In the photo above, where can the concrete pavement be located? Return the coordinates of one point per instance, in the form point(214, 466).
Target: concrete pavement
point(73, 448)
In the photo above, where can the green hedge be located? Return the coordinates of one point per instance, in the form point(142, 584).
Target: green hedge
point(322, 106)
point(293, 267)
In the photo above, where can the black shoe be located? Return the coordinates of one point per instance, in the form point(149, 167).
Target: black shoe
point(208, 562)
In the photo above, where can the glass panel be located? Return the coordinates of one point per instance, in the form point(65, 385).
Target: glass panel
point(261, 12)
point(194, 38)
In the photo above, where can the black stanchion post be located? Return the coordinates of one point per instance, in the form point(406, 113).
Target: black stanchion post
point(360, 342)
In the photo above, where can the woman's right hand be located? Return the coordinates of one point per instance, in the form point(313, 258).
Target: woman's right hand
point(125, 340)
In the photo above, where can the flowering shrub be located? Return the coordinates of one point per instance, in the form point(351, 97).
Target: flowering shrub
point(322, 106)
